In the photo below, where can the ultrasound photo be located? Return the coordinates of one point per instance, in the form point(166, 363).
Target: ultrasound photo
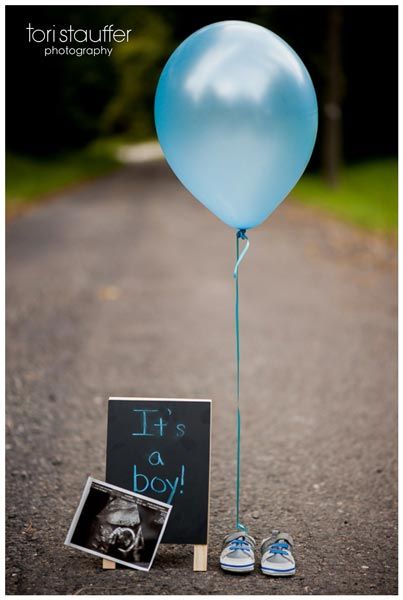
point(119, 525)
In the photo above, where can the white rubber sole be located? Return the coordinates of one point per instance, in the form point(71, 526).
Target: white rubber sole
point(237, 569)
point(278, 572)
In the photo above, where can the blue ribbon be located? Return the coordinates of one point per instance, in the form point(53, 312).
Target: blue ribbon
point(241, 234)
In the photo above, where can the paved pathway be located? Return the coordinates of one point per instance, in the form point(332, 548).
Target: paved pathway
point(124, 287)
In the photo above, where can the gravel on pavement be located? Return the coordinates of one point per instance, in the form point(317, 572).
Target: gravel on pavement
point(124, 287)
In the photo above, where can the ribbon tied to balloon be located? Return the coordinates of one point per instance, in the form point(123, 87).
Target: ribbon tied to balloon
point(236, 116)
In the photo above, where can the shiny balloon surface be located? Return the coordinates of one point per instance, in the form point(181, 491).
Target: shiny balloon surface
point(236, 116)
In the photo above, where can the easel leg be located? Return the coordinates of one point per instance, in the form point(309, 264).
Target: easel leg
point(108, 564)
point(200, 557)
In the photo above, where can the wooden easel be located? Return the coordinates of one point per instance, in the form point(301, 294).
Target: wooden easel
point(199, 559)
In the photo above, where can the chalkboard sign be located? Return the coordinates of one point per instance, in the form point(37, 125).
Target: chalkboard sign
point(161, 448)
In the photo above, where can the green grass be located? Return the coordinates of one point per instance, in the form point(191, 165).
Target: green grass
point(366, 195)
point(29, 180)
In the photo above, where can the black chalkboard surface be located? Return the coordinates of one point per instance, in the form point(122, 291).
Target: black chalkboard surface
point(161, 448)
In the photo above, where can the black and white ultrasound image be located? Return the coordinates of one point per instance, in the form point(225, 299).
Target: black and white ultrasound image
point(119, 526)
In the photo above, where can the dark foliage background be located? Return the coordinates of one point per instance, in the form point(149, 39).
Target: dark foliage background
point(60, 103)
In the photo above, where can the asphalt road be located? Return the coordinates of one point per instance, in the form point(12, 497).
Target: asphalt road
point(124, 287)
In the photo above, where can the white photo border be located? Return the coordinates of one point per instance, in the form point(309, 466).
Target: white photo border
point(83, 499)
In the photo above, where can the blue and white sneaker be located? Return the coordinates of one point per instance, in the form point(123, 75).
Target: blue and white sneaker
point(277, 559)
point(238, 553)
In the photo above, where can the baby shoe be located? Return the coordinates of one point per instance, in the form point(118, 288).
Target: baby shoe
point(277, 559)
point(238, 554)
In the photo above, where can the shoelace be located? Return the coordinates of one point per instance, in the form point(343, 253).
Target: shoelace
point(239, 544)
point(279, 548)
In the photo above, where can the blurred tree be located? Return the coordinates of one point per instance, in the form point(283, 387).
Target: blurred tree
point(138, 64)
point(332, 98)
point(60, 103)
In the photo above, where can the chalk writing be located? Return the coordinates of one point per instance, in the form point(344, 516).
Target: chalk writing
point(161, 448)
point(159, 485)
point(155, 459)
point(160, 424)
point(144, 412)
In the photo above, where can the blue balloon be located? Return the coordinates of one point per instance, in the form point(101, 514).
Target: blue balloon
point(236, 116)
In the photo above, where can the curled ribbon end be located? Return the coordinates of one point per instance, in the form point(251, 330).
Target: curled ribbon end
point(241, 234)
